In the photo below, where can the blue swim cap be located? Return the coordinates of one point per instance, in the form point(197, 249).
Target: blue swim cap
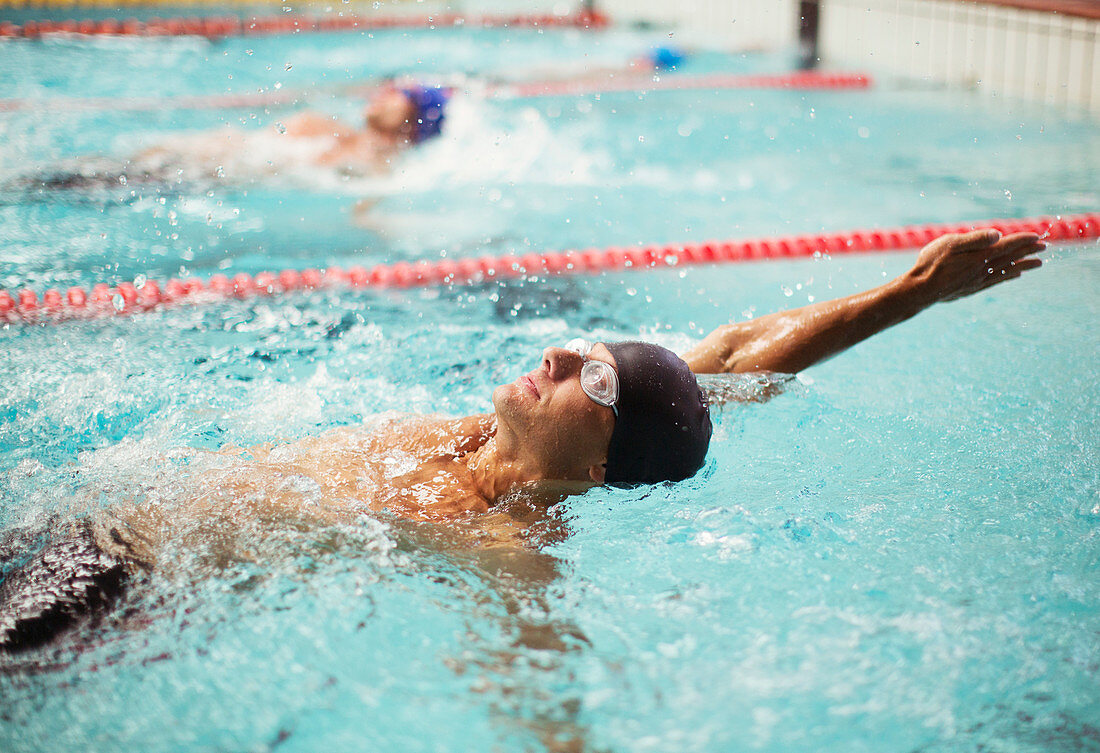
point(666, 58)
point(430, 102)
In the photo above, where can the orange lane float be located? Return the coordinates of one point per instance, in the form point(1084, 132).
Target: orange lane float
point(127, 298)
point(648, 82)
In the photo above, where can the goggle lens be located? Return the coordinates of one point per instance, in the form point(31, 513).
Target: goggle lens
point(600, 382)
point(598, 378)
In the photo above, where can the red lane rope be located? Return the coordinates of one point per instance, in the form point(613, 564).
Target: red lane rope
point(800, 80)
point(643, 83)
point(135, 104)
point(127, 297)
point(228, 26)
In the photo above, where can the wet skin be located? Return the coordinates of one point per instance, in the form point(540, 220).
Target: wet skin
point(418, 467)
point(544, 427)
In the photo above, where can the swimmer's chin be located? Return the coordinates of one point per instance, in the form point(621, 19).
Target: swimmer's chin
point(547, 492)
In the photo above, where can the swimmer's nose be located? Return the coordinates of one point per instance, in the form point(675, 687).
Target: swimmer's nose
point(560, 363)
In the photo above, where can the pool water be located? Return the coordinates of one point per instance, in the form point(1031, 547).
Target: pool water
point(898, 553)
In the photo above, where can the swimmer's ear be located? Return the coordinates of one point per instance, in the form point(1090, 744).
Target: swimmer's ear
point(598, 472)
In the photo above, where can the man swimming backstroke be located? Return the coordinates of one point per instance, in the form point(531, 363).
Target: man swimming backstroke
point(588, 413)
point(396, 119)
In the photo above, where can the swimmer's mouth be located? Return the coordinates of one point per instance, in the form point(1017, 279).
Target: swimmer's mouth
point(529, 383)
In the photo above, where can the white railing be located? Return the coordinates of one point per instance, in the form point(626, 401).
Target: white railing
point(1006, 52)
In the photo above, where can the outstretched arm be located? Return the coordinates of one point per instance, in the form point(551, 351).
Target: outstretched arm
point(950, 267)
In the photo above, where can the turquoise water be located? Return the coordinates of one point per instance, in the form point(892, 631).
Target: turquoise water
point(899, 553)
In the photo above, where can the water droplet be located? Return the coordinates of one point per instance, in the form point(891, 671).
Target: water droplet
point(1008, 194)
point(288, 67)
point(280, 127)
point(786, 291)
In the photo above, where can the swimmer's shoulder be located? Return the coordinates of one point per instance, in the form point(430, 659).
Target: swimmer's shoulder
point(420, 434)
point(478, 424)
point(448, 434)
point(315, 125)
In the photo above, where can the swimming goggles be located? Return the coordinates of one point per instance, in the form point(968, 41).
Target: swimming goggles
point(598, 378)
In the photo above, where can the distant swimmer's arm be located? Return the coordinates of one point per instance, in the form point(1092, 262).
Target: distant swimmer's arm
point(950, 267)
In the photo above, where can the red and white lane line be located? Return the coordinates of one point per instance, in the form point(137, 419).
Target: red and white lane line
point(24, 305)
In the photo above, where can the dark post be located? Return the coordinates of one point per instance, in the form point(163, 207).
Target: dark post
point(809, 16)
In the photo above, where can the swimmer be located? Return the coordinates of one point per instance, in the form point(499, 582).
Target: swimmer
point(625, 413)
point(395, 119)
point(656, 60)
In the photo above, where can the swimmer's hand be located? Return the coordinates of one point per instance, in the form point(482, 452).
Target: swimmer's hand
point(957, 265)
point(949, 267)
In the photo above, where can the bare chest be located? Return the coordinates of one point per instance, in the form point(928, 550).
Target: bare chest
point(415, 470)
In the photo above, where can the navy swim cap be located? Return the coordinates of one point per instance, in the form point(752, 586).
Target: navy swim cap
point(663, 428)
point(430, 102)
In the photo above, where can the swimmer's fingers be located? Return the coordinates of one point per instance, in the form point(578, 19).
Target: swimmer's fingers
point(978, 240)
point(956, 250)
point(1016, 246)
point(996, 275)
point(994, 248)
point(1024, 265)
point(1011, 257)
point(975, 240)
point(1011, 271)
point(957, 265)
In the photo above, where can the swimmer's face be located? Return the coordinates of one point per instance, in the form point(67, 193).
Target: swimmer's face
point(392, 113)
point(557, 427)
